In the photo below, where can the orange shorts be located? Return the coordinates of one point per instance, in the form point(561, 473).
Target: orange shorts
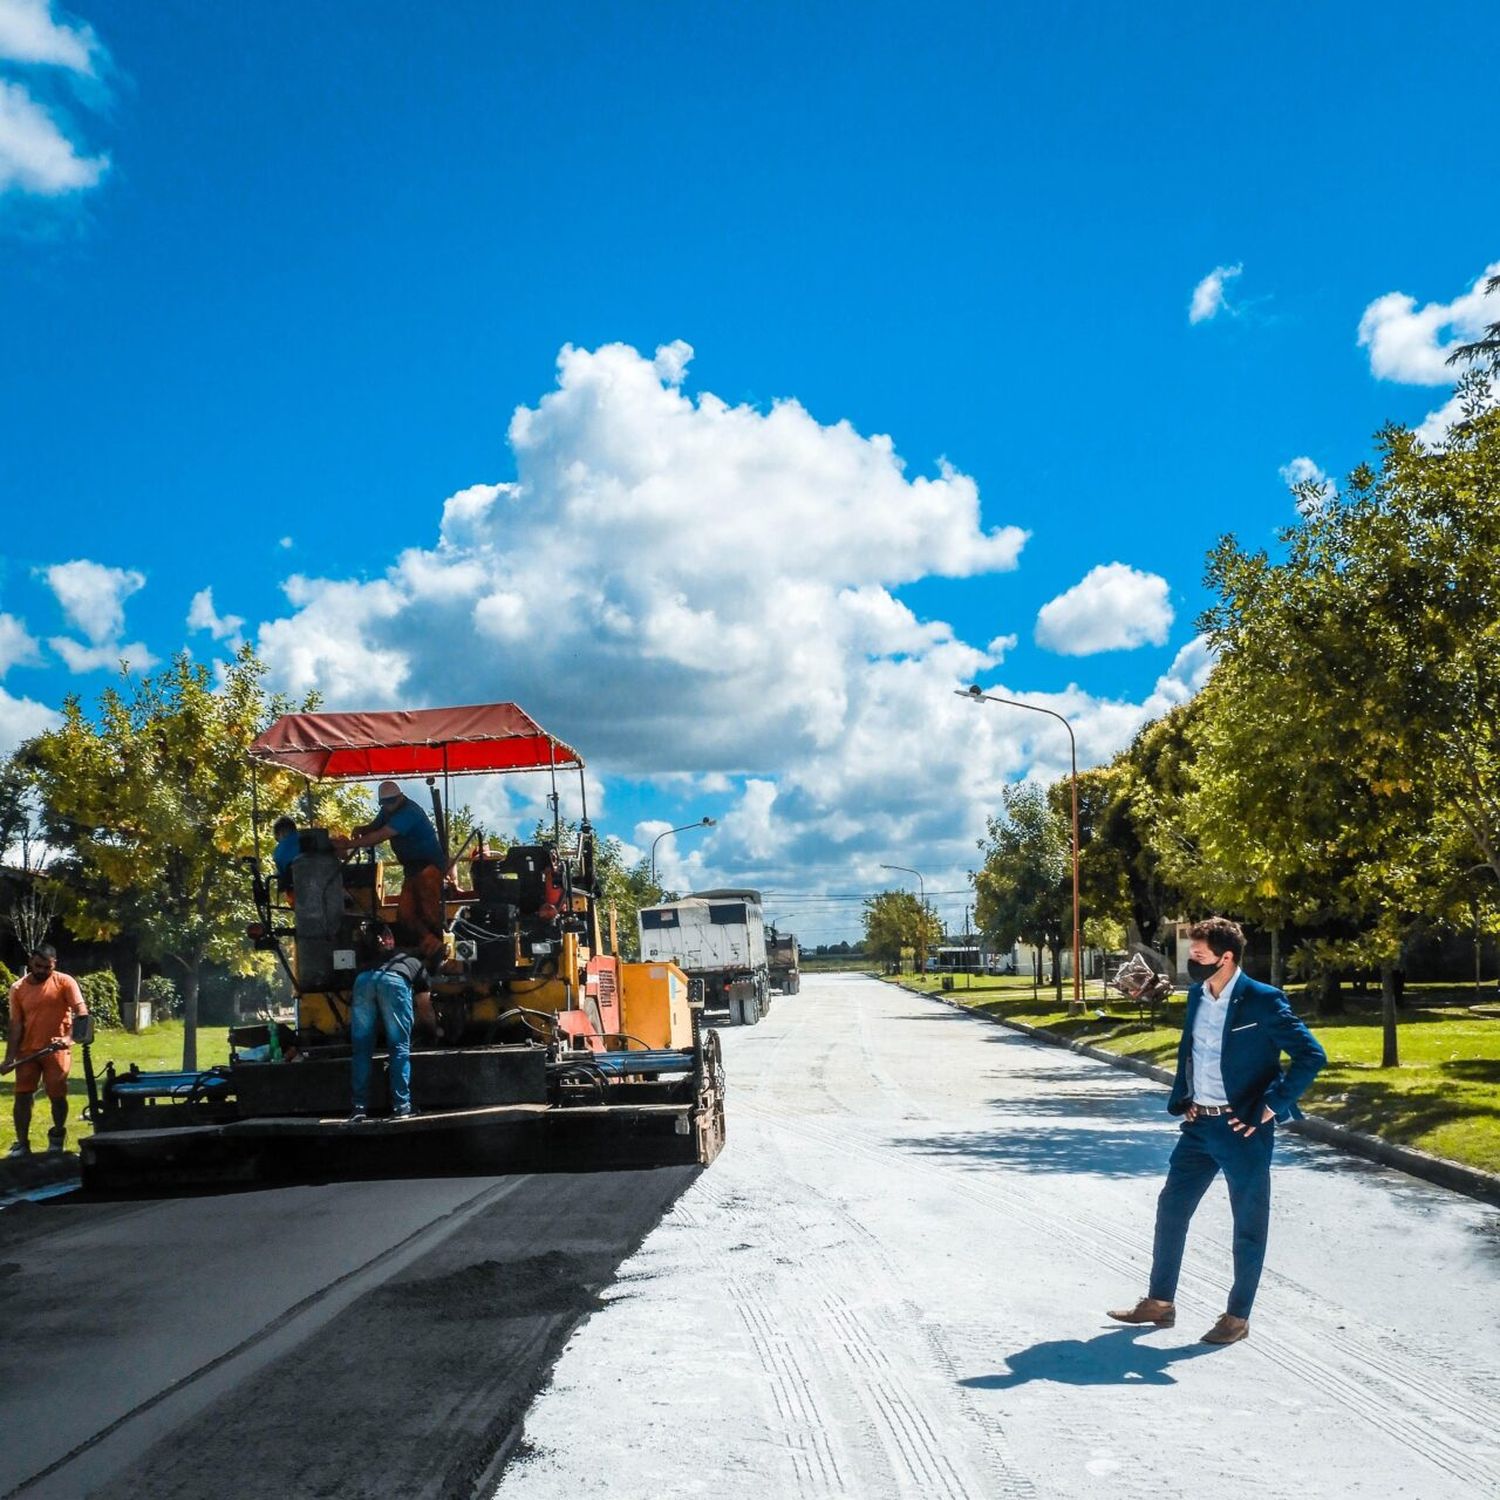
point(53, 1067)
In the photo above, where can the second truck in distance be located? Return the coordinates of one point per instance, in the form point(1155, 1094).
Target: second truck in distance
point(718, 938)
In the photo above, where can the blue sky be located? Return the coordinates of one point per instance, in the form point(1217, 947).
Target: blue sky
point(304, 263)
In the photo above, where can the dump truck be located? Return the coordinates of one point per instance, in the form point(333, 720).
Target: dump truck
point(718, 939)
point(548, 1051)
point(784, 960)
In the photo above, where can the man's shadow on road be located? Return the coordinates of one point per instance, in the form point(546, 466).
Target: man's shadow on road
point(1114, 1358)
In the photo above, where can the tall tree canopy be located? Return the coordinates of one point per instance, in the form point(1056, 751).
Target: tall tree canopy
point(896, 920)
point(1350, 737)
point(1024, 890)
point(148, 802)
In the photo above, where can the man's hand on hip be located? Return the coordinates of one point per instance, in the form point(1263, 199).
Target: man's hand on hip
point(1240, 1128)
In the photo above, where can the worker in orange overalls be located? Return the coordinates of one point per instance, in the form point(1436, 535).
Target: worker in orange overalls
point(43, 1003)
point(415, 843)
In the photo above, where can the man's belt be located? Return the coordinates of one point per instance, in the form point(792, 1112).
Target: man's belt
point(1212, 1109)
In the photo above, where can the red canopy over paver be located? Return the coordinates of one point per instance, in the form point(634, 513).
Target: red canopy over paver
point(411, 742)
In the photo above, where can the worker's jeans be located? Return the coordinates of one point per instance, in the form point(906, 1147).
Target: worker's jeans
point(1206, 1147)
point(389, 995)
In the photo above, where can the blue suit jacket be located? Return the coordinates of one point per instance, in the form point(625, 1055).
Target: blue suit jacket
point(1258, 1027)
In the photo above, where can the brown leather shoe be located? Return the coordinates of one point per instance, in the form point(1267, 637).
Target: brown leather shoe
point(1228, 1330)
point(1147, 1310)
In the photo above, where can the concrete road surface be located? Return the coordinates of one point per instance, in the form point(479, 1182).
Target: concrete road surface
point(892, 1283)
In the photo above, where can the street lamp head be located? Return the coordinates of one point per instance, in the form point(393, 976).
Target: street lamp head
point(976, 692)
point(710, 823)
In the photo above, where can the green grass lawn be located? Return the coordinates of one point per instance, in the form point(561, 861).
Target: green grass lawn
point(1444, 1098)
point(160, 1047)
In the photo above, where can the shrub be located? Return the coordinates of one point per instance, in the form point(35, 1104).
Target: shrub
point(6, 980)
point(101, 992)
point(164, 996)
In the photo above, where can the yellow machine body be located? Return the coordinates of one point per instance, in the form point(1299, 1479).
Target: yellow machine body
point(654, 1004)
point(328, 1014)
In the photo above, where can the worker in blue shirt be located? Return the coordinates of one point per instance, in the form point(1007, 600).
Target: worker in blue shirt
point(415, 843)
point(288, 847)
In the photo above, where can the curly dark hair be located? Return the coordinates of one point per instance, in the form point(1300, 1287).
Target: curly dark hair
point(1222, 935)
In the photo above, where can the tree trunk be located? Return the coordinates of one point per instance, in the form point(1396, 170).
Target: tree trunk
point(1278, 963)
point(1389, 1055)
point(1057, 970)
point(190, 1016)
point(1328, 999)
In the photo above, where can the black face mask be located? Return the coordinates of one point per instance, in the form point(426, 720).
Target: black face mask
point(1198, 971)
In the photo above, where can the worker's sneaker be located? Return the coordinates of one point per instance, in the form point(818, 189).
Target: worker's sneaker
point(1147, 1310)
point(20, 1148)
point(56, 1140)
point(403, 1114)
point(358, 1116)
point(1228, 1330)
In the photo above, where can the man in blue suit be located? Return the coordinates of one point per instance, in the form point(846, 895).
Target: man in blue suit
point(1230, 1090)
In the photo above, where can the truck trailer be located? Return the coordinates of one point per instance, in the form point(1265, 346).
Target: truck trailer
point(717, 938)
point(784, 958)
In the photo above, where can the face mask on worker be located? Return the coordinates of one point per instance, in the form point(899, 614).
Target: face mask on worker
point(1198, 971)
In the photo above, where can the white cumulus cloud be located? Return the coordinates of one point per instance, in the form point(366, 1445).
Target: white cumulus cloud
point(203, 616)
point(1114, 607)
point(707, 597)
point(17, 645)
point(93, 598)
point(20, 718)
point(30, 33)
point(1411, 344)
point(37, 153)
point(1208, 299)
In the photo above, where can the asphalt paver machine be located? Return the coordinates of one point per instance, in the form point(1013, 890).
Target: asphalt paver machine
point(545, 1050)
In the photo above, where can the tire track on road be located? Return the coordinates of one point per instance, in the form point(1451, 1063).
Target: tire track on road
point(1378, 1386)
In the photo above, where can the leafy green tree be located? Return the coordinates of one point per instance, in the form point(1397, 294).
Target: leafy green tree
point(623, 888)
point(1024, 890)
point(21, 837)
point(895, 921)
point(1358, 693)
point(1485, 350)
point(148, 802)
point(1136, 831)
point(1103, 873)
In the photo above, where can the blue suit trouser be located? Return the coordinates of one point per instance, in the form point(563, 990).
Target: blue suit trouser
point(388, 997)
point(1205, 1148)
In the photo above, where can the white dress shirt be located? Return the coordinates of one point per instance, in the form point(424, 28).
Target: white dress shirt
point(1208, 1043)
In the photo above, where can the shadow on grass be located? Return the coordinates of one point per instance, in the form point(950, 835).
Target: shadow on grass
point(1473, 1069)
point(1398, 1115)
point(1114, 1358)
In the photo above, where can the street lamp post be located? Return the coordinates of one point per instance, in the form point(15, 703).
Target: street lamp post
point(701, 823)
point(978, 695)
point(921, 935)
